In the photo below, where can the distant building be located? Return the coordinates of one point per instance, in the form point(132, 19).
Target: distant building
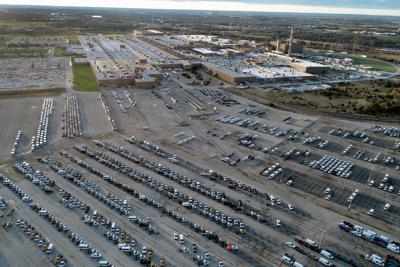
point(205, 51)
point(231, 52)
point(147, 33)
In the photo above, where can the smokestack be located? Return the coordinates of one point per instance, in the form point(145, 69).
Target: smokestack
point(290, 41)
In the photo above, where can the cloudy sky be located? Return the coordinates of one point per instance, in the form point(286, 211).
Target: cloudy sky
point(368, 7)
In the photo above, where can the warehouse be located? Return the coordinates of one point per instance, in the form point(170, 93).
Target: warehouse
point(226, 74)
point(145, 82)
point(309, 67)
point(276, 73)
point(206, 51)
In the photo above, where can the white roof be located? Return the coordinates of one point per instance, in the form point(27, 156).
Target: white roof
point(154, 31)
point(308, 64)
point(205, 51)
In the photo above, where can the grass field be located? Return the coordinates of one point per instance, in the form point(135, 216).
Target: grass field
point(74, 40)
point(381, 97)
point(391, 57)
point(60, 51)
point(84, 79)
point(3, 40)
point(374, 63)
point(391, 39)
point(9, 52)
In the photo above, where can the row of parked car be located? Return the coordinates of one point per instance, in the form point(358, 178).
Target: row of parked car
point(120, 238)
point(210, 213)
point(111, 231)
point(291, 260)
point(324, 257)
point(252, 111)
point(357, 135)
point(170, 191)
point(108, 113)
point(119, 98)
point(219, 97)
point(372, 236)
point(43, 243)
point(122, 206)
point(232, 184)
point(35, 176)
point(54, 221)
point(17, 190)
point(389, 131)
point(257, 126)
point(15, 145)
point(3, 204)
point(113, 181)
point(333, 165)
point(318, 141)
point(385, 184)
point(174, 214)
point(41, 136)
point(210, 174)
point(71, 121)
point(156, 150)
point(272, 171)
point(146, 199)
point(378, 157)
point(115, 234)
point(248, 140)
point(112, 201)
point(193, 184)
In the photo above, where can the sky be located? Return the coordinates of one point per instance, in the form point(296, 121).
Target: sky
point(365, 7)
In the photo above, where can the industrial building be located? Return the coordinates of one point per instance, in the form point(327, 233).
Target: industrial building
point(122, 62)
point(283, 47)
point(309, 67)
point(226, 74)
point(147, 33)
point(131, 61)
point(210, 39)
point(206, 51)
point(264, 74)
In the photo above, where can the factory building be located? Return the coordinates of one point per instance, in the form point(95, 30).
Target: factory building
point(226, 74)
point(147, 33)
point(283, 47)
point(112, 72)
point(309, 67)
point(145, 82)
point(206, 51)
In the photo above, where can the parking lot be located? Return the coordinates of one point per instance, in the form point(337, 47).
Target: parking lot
point(33, 73)
point(209, 181)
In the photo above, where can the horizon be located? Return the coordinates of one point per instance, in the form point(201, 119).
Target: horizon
point(349, 8)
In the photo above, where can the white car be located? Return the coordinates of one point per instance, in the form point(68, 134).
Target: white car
point(371, 212)
point(393, 247)
point(290, 244)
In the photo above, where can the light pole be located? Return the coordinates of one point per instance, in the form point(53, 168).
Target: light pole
point(323, 231)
